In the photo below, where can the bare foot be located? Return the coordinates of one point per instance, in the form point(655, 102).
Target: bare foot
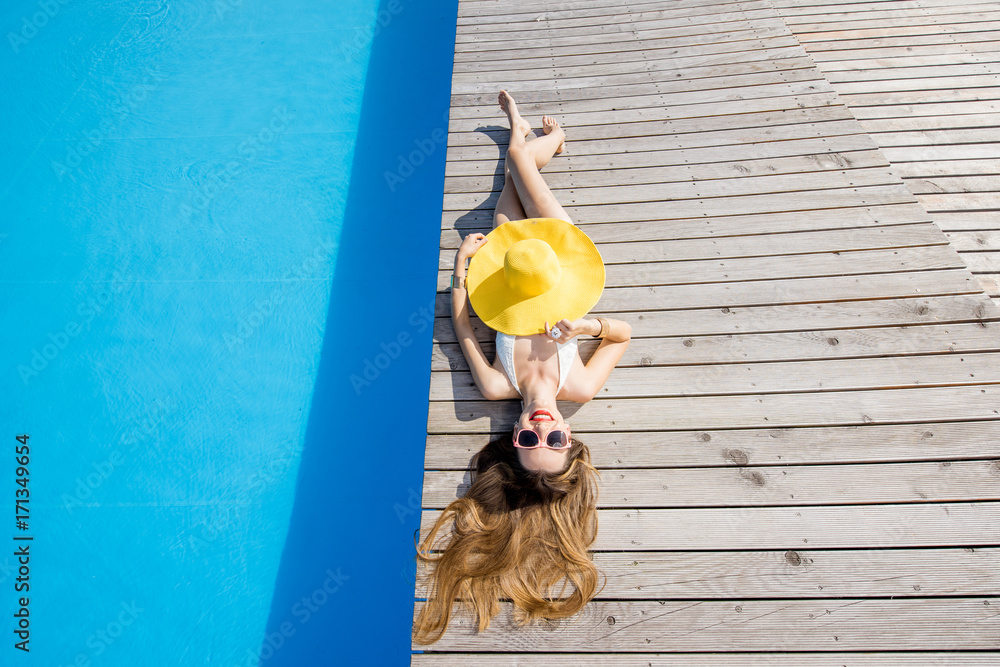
point(509, 107)
point(550, 125)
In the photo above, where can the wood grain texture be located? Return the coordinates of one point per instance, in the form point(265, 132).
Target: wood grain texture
point(930, 105)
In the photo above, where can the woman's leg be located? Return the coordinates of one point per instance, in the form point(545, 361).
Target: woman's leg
point(546, 147)
point(509, 205)
point(522, 163)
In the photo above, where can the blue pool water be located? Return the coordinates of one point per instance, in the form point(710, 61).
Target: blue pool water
point(215, 325)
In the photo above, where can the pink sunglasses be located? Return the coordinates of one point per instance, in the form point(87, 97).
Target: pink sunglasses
point(557, 438)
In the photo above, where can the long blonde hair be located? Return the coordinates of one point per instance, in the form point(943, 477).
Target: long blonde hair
point(516, 534)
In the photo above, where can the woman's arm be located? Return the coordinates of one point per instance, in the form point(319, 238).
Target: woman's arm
point(605, 358)
point(493, 384)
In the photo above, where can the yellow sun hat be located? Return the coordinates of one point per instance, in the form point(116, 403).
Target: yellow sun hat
point(533, 271)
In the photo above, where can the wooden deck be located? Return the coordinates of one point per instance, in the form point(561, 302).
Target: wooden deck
point(799, 450)
point(923, 78)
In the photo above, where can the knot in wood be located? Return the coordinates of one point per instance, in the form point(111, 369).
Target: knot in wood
point(737, 456)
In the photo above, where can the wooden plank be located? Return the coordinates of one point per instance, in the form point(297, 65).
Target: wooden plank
point(796, 345)
point(665, 16)
point(869, 443)
point(756, 268)
point(768, 377)
point(865, 24)
point(711, 207)
point(982, 262)
point(584, 135)
point(748, 36)
point(932, 169)
point(821, 149)
point(794, 573)
point(955, 184)
point(986, 36)
point(693, 19)
point(991, 283)
point(481, 9)
point(722, 184)
point(900, 32)
point(507, 27)
point(558, 180)
point(966, 201)
point(700, 66)
point(864, 59)
point(663, 51)
point(927, 110)
point(843, 408)
point(688, 659)
point(614, 32)
point(761, 245)
point(771, 486)
point(590, 124)
point(703, 321)
point(910, 70)
point(518, 13)
point(804, 527)
point(925, 153)
point(781, 126)
point(924, 123)
point(647, 88)
point(838, 11)
point(728, 225)
point(845, 58)
point(965, 136)
point(931, 83)
point(640, 101)
point(736, 299)
point(967, 220)
point(794, 7)
point(741, 625)
point(917, 97)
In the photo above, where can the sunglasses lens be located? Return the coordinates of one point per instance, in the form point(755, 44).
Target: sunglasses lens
point(557, 439)
point(527, 439)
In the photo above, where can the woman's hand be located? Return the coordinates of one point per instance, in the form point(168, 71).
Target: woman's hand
point(569, 329)
point(470, 246)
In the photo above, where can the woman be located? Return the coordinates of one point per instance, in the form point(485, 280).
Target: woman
point(523, 529)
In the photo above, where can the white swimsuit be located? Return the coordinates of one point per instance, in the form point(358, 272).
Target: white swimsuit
point(505, 350)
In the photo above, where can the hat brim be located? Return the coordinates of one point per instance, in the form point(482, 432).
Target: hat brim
point(580, 284)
